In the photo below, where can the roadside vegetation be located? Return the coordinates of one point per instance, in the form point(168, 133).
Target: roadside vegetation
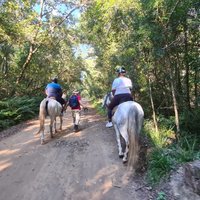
point(167, 152)
point(18, 109)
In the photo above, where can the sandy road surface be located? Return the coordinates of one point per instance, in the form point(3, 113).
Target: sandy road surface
point(71, 166)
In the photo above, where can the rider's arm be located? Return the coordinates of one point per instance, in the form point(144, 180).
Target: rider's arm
point(59, 90)
point(46, 90)
point(113, 92)
point(130, 85)
point(80, 102)
point(114, 86)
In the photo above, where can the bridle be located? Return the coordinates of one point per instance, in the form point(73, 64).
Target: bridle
point(108, 97)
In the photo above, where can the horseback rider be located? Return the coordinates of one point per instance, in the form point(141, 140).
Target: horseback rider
point(121, 89)
point(54, 90)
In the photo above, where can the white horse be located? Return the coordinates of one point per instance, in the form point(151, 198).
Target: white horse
point(53, 108)
point(127, 121)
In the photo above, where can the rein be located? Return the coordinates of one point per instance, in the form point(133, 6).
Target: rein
point(108, 96)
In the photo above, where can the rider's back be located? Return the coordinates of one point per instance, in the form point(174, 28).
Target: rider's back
point(54, 90)
point(122, 85)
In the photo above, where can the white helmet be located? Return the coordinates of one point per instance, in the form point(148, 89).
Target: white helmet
point(121, 70)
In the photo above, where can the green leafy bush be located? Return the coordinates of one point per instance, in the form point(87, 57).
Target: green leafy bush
point(161, 196)
point(18, 109)
point(160, 138)
point(189, 121)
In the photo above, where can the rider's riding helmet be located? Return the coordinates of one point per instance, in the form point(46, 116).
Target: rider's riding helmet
point(55, 79)
point(121, 70)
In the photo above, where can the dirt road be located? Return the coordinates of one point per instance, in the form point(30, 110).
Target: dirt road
point(71, 166)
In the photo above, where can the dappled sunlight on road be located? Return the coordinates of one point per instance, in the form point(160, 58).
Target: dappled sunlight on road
point(7, 152)
point(30, 141)
point(5, 164)
point(102, 173)
point(107, 181)
point(71, 165)
point(31, 127)
point(104, 180)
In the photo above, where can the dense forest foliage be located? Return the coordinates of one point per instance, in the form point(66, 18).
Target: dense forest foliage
point(157, 41)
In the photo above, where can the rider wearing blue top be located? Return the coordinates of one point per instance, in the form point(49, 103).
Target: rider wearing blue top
point(54, 90)
point(121, 89)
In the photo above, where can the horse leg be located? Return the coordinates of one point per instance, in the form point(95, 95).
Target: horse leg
point(121, 154)
point(42, 136)
point(51, 127)
point(54, 124)
point(125, 158)
point(61, 121)
point(124, 133)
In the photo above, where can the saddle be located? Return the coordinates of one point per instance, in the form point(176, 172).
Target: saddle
point(52, 98)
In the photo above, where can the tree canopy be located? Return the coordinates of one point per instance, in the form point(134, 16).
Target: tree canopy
point(157, 41)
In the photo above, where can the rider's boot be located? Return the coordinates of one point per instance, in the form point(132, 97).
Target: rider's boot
point(109, 124)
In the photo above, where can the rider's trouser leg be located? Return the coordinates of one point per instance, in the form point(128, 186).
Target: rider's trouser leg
point(113, 103)
point(120, 98)
point(76, 116)
point(109, 115)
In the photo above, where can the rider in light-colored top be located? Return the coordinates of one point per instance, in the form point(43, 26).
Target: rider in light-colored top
point(121, 85)
point(121, 89)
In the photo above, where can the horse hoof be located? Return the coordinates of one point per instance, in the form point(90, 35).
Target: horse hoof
point(42, 142)
point(121, 156)
point(124, 161)
point(75, 128)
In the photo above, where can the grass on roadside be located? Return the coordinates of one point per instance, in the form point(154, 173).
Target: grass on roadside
point(165, 154)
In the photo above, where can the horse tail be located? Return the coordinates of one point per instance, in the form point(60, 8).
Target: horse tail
point(42, 114)
point(134, 127)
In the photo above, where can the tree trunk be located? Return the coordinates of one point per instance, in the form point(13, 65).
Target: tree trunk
point(152, 106)
point(196, 88)
point(175, 104)
point(173, 91)
point(187, 93)
point(25, 65)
